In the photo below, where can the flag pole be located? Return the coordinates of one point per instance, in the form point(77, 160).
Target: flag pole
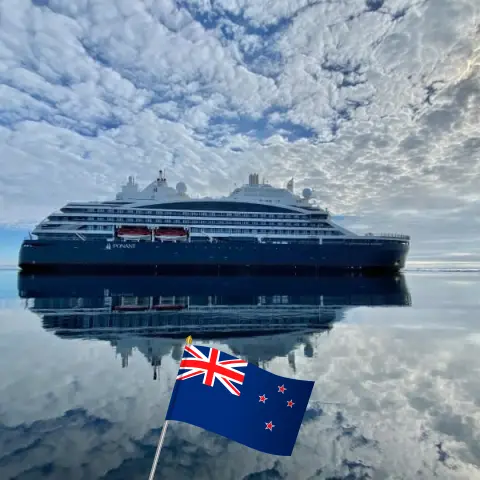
point(157, 453)
point(188, 341)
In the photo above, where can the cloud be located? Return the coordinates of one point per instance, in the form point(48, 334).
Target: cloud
point(386, 401)
point(373, 103)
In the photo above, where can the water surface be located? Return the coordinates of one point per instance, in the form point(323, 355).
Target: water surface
point(89, 363)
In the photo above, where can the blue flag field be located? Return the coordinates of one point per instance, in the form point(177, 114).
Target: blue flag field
point(238, 400)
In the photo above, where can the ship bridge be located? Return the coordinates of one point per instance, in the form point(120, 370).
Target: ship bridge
point(263, 192)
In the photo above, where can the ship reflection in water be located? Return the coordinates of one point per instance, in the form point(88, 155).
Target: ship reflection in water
point(152, 313)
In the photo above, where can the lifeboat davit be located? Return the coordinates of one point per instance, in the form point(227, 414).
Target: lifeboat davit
point(134, 233)
point(171, 233)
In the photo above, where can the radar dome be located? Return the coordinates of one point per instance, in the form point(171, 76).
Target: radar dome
point(307, 192)
point(181, 188)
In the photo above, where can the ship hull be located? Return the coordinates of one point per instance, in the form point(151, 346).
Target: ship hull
point(94, 255)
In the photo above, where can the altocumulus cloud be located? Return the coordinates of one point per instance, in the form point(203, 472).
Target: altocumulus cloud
point(385, 403)
point(373, 103)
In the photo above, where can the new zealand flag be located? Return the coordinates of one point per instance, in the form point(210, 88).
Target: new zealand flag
point(238, 400)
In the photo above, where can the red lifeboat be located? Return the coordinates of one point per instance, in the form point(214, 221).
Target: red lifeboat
point(167, 308)
point(171, 233)
point(134, 233)
point(130, 308)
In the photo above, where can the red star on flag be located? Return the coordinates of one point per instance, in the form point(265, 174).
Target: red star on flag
point(269, 425)
point(281, 389)
point(263, 398)
point(290, 403)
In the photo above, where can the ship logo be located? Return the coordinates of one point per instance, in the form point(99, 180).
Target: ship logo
point(108, 246)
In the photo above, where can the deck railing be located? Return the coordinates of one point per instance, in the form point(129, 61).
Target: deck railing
point(389, 235)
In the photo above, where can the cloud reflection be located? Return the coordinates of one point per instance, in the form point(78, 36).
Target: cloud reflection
point(387, 402)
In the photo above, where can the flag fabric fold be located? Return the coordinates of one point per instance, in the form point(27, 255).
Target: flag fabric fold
point(238, 400)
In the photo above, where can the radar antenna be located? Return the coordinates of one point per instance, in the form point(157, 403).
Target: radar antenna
point(161, 176)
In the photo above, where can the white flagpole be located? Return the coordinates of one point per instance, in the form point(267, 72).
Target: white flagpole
point(162, 435)
point(157, 453)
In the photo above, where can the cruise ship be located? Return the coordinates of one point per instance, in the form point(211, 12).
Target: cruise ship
point(159, 228)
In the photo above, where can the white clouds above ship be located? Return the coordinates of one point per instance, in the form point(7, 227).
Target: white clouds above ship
point(375, 104)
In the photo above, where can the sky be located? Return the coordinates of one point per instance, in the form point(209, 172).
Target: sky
point(374, 104)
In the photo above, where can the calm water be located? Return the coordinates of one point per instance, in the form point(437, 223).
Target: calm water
point(87, 373)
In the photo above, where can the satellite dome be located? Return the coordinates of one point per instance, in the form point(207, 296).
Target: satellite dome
point(181, 188)
point(307, 192)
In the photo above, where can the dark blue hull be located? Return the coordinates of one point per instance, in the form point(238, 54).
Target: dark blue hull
point(68, 255)
point(343, 288)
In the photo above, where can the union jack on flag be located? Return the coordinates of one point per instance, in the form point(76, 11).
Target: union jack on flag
point(211, 367)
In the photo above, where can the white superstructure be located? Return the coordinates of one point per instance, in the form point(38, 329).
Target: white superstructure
point(256, 211)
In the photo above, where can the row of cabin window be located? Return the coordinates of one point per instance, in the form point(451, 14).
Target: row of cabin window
point(230, 230)
point(164, 213)
point(56, 218)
